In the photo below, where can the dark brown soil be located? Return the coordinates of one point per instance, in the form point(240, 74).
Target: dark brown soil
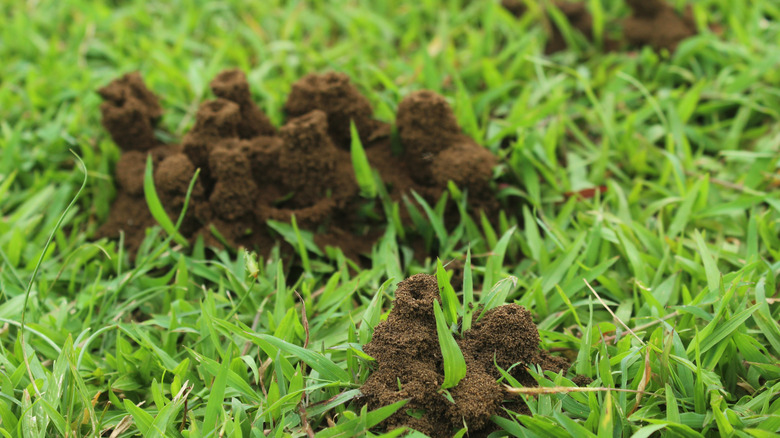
point(654, 23)
point(579, 18)
point(252, 172)
point(657, 24)
point(516, 7)
point(409, 364)
point(576, 13)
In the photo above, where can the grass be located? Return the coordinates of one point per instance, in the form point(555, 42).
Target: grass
point(679, 238)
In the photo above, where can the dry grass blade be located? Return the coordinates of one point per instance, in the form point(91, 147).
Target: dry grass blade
point(542, 390)
point(639, 328)
point(613, 313)
point(301, 407)
point(305, 421)
point(643, 383)
point(304, 319)
point(122, 427)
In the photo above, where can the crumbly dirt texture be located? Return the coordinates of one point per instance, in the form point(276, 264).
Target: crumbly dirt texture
point(252, 172)
point(657, 24)
point(409, 364)
point(653, 22)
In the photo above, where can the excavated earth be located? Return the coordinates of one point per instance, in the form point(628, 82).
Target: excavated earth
point(657, 24)
point(654, 23)
point(409, 364)
point(251, 172)
point(576, 14)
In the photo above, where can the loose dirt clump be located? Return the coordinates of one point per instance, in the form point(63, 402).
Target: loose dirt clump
point(250, 172)
point(409, 364)
point(657, 24)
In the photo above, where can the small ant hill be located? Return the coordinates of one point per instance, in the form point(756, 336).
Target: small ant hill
point(252, 172)
point(653, 23)
point(409, 364)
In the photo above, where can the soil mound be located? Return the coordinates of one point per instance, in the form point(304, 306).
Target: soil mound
point(576, 14)
point(409, 363)
point(657, 24)
point(654, 23)
point(251, 172)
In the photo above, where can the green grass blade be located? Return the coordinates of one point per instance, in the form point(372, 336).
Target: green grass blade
point(454, 362)
point(34, 275)
point(435, 221)
point(710, 265)
point(301, 245)
point(143, 420)
point(216, 397)
point(468, 293)
point(356, 428)
point(363, 173)
point(496, 260)
point(326, 367)
point(156, 207)
point(449, 300)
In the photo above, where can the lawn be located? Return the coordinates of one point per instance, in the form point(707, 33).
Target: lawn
point(639, 224)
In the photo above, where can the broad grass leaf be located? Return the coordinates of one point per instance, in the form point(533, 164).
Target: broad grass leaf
point(454, 362)
point(497, 295)
point(436, 221)
point(468, 293)
point(167, 415)
point(143, 420)
point(326, 367)
point(234, 381)
point(156, 207)
point(542, 426)
point(449, 300)
point(710, 265)
point(355, 428)
point(495, 261)
point(216, 397)
point(575, 429)
point(725, 329)
point(363, 173)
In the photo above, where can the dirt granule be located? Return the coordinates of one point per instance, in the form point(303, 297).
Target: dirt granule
point(409, 363)
point(251, 172)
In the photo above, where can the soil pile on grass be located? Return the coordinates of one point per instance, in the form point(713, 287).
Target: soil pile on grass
point(409, 363)
point(654, 23)
point(251, 172)
point(657, 24)
point(575, 13)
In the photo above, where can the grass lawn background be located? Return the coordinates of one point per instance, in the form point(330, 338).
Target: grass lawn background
point(683, 243)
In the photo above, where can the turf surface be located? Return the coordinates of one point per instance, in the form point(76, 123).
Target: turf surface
point(680, 239)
